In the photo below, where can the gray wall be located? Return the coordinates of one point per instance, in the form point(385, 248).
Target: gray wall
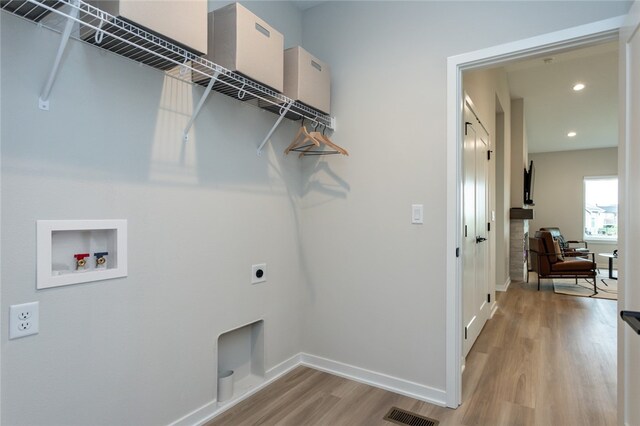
point(559, 190)
point(346, 269)
point(139, 350)
point(377, 283)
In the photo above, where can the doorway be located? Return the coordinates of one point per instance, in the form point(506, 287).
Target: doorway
point(576, 37)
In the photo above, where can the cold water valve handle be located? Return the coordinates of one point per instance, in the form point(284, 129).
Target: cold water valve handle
point(101, 260)
point(81, 262)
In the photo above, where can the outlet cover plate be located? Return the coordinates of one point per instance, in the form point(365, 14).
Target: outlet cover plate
point(24, 319)
point(258, 273)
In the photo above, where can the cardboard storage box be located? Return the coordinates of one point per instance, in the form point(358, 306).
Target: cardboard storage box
point(307, 79)
point(242, 42)
point(182, 21)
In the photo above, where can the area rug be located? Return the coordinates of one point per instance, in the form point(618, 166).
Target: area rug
point(607, 288)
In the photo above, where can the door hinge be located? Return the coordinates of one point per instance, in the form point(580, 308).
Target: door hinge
point(465, 333)
point(466, 124)
point(489, 155)
point(489, 298)
point(488, 226)
point(457, 251)
point(465, 231)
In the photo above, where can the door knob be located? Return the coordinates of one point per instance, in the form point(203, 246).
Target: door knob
point(480, 239)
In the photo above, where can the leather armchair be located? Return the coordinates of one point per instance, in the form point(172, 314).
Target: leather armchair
point(565, 245)
point(548, 262)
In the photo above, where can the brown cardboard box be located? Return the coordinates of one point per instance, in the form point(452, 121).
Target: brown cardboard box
point(307, 79)
point(184, 21)
point(245, 43)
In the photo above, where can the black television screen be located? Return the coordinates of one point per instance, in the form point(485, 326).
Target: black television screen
point(529, 177)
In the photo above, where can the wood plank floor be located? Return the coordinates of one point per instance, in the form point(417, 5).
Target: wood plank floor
point(544, 359)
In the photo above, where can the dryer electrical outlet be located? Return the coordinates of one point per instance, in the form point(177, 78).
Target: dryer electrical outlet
point(258, 273)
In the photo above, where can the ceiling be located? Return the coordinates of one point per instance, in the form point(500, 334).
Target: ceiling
point(553, 108)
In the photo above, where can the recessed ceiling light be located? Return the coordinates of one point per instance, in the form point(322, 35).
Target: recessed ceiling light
point(571, 134)
point(578, 87)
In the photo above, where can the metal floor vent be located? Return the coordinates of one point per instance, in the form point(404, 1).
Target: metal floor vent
point(404, 417)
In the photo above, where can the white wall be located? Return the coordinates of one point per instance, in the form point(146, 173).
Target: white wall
point(377, 283)
point(559, 191)
point(519, 160)
point(139, 350)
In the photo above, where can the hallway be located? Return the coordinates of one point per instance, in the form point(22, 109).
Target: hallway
point(544, 359)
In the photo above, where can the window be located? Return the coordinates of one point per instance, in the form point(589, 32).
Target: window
point(601, 208)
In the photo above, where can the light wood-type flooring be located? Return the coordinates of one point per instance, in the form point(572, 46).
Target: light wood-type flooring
point(543, 359)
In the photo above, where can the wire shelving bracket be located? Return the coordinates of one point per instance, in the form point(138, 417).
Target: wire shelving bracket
point(208, 90)
point(43, 100)
point(283, 111)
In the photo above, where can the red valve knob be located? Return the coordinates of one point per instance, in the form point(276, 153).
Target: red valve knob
point(81, 256)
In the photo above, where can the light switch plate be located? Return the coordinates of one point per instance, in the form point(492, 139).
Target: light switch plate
point(417, 214)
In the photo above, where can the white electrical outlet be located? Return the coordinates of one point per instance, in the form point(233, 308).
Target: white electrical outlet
point(258, 273)
point(24, 319)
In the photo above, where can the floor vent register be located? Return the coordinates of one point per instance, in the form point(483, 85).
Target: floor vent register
point(403, 417)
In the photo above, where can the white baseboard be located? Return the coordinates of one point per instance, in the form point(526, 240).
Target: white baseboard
point(505, 286)
point(379, 380)
point(212, 409)
point(372, 378)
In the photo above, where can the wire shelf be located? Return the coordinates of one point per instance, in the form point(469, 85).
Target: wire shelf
point(108, 32)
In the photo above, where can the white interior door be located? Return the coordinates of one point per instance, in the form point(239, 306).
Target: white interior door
point(475, 256)
point(629, 267)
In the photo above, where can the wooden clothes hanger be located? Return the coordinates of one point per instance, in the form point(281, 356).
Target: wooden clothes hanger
point(300, 139)
point(325, 140)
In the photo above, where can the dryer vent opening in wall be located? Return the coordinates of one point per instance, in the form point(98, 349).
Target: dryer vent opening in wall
point(404, 417)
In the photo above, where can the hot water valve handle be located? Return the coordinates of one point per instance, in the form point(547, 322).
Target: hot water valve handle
point(80, 260)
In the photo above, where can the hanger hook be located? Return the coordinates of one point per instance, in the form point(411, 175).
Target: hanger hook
point(242, 92)
point(100, 33)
